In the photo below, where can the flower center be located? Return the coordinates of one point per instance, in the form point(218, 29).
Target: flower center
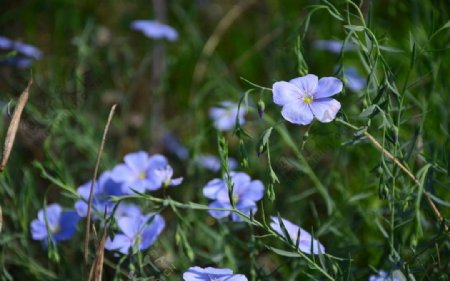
point(235, 199)
point(141, 175)
point(308, 99)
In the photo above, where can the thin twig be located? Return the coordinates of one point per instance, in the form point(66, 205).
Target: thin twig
point(88, 217)
point(14, 125)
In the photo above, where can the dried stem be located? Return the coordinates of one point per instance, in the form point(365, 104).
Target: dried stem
point(88, 217)
point(14, 125)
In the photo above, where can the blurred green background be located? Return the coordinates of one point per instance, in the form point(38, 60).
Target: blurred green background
point(92, 60)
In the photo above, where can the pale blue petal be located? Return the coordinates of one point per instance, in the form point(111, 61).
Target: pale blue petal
point(325, 110)
point(245, 206)
point(284, 93)
point(219, 214)
point(53, 213)
point(127, 210)
point(38, 230)
point(327, 87)
point(120, 242)
point(305, 243)
point(355, 81)
point(68, 226)
point(122, 173)
point(82, 208)
point(151, 232)
point(297, 113)
point(253, 191)
point(306, 84)
point(129, 226)
point(155, 29)
point(176, 181)
point(213, 187)
point(137, 161)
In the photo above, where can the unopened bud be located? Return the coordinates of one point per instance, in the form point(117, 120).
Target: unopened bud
point(261, 107)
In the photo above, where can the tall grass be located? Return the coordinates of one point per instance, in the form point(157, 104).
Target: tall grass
point(371, 186)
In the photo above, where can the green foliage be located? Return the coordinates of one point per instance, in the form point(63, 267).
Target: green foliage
point(362, 183)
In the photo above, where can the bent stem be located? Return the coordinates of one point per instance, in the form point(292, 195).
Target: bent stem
point(397, 162)
point(307, 168)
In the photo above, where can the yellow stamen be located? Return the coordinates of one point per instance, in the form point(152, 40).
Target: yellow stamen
point(308, 100)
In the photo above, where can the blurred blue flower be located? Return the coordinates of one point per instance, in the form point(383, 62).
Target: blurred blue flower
point(137, 233)
point(224, 117)
point(334, 46)
point(306, 97)
point(165, 176)
point(139, 172)
point(354, 81)
point(384, 276)
point(25, 53)
point(104, 188)
point(245, 195)
point(154, 29)
point(56, 225)
point(127, 210)
point(305, 240)
point(212, 163)
point(210, 273)
point(174, 146)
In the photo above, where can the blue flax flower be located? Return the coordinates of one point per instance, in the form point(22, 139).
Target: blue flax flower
point(137, 233)
point(56, 225)
point(210, 273)
point(104, 188)
point(304, 242)
point(141, 172)
point(384, 276)
point(245, 195)
point(26, 53)
point(155, 29)
point(224, 117)
point(334, 46)
point(212, 163)
point(355, 81)
point(127, 210)
point(306, 97)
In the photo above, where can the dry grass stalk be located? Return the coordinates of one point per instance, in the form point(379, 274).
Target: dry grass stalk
point(14, 125)
point(88, 217)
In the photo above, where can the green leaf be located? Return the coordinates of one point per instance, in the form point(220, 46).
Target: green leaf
point(356, 28)
point(263, 141)
point(284, 253)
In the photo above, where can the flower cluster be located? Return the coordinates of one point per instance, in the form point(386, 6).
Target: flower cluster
point(142, 172)
point(245, 195)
